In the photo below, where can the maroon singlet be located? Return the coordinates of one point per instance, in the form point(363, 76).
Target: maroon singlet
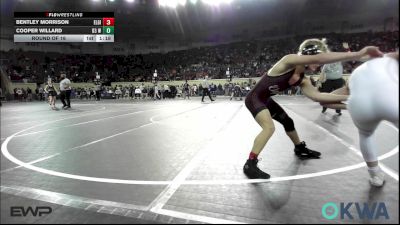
point(259, 97)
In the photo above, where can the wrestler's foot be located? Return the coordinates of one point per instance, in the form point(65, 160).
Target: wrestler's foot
point(377, 177)
point(303, 152)
point(253, 172)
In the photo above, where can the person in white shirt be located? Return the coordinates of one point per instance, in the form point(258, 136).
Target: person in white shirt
point(331, 76)
point(194, 87)
point(247, 89)
point(156, 92)
point(65, 91)
point(138, 93)
point(118, 92)
point(206, 90)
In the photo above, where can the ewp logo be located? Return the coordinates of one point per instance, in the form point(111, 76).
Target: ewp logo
point(375, 211)
point(18, 211)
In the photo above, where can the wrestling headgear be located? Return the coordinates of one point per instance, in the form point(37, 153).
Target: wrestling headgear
point(311, 50)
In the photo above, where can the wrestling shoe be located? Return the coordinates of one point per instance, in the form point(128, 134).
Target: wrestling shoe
point(303, 152)
point(252, 171)
point(377, 177)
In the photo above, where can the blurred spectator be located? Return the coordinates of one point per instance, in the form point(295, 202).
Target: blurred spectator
point(28, 94)
point(244, 59)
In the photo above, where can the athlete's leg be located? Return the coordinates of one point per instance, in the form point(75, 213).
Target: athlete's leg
point(264, 119)
point(251, 169)
point(282, 117)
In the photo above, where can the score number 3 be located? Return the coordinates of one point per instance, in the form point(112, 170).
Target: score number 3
point(108, 21)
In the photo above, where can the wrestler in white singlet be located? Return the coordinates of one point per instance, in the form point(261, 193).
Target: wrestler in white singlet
point(374, 96)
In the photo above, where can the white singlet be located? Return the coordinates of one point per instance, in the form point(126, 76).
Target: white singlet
point(374, 96)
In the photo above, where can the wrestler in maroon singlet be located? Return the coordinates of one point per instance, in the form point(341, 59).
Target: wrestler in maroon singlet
point(286, 73)
point(259, 97)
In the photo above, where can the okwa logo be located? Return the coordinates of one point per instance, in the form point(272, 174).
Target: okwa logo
point(372, 211)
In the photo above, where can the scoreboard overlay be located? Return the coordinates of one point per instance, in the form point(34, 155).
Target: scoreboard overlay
point(64, 26)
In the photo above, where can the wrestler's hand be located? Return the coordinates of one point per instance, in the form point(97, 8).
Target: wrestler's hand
point(370, 51)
